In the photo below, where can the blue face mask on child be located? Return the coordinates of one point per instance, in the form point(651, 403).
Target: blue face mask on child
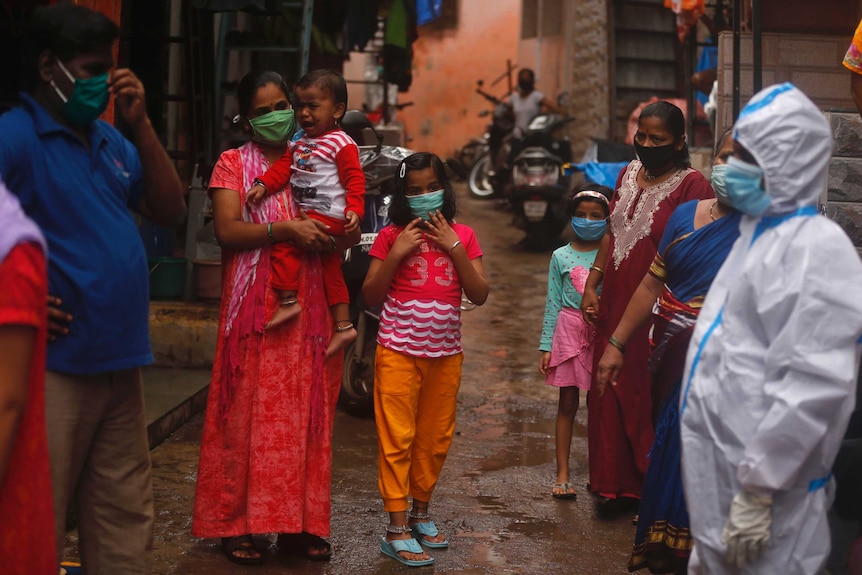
point(744, 189)
point(423, 203)
point(589, 230)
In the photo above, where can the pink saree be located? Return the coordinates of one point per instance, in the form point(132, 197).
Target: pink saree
point(265, 458)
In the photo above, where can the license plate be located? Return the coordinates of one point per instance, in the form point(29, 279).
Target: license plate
point(535, 210)
point(367, 239)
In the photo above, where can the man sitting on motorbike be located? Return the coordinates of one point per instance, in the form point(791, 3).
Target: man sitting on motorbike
point(526, 102)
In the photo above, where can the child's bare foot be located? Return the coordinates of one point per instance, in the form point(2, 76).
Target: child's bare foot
point(344, 334)
point(286, 311)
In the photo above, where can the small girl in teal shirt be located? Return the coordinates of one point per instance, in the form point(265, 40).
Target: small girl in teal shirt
point(567, 340)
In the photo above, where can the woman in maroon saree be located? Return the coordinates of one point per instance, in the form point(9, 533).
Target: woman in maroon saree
point(620, 426)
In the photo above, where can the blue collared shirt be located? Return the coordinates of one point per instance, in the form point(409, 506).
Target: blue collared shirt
point(82, 200)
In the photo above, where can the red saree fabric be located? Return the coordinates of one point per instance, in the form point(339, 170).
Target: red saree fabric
point(26, 505)
point(266, 456)
point(620, 430)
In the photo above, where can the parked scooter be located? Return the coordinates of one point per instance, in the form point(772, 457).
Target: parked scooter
point(380, 164)
point(538, 185)
point(488, 175)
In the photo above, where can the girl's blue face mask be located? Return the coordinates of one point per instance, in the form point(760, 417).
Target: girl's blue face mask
point(423, 203)
point(744, 189)
point(589, 230)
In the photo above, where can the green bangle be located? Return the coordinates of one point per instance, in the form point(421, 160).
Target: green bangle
point(269, 232)
point(617, 344)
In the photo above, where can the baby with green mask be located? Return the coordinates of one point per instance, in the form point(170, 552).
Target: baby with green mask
point(321, 170)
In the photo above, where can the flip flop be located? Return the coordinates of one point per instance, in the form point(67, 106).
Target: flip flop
point(391, 548)
point(428, 529)
point(566, 494)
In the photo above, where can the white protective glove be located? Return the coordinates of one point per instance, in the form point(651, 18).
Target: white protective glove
point(748, 527)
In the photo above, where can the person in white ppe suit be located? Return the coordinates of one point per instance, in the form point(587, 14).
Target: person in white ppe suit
point(771, 369)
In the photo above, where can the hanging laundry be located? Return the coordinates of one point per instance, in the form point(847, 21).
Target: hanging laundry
point(398, 38)
point(361, 23)
point(428, 10)
point(688, 12)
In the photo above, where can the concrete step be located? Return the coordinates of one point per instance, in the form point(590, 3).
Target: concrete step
point(172, 396)
point(183, 337)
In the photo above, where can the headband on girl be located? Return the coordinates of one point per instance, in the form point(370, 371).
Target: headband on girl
point(592, 194)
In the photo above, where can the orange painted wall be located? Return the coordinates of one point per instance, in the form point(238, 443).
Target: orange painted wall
point(446, 66)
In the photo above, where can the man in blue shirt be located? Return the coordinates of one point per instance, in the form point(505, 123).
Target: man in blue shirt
point(80, 180)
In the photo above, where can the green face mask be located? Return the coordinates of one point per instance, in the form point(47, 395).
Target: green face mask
point(274, 127)
point(88, 100)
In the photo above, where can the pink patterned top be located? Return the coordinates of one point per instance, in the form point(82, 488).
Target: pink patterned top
point(422, 313)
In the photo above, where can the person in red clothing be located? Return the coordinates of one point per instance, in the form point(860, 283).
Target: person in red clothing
point(26, 504)
point(327, 181)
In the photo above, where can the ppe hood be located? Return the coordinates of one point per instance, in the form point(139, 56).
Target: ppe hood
point(792, 142)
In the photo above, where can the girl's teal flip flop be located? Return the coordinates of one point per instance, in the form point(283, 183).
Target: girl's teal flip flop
point(391, 548)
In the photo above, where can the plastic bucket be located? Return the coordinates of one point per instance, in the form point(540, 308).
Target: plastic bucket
point(207, 276)
point(167, 277)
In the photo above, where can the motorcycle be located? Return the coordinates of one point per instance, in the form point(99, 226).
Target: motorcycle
point(488, 175)
point(380, 164)
point(539, 185)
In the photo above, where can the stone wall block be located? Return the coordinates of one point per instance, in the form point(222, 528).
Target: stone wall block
point(847, 129)
point(845, 179)
point(182, 334)
point(819, 53)
point(820, 84)
point(849, 217)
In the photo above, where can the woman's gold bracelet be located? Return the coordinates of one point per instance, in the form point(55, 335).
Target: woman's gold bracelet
point(617, 344)
point(598, 269)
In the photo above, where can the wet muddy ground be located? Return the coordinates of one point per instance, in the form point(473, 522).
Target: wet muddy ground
point(493, 499)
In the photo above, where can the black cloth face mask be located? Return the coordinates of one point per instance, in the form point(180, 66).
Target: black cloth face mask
point(655, 157)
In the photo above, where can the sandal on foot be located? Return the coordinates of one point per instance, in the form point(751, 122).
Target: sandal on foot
point(393, 548)
point(428, 529)
point(231, 545)
point(568, 491)
point(303, 543)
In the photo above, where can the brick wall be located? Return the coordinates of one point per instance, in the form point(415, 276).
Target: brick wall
point(588, 49)
point(812, 63)
point(845, 175)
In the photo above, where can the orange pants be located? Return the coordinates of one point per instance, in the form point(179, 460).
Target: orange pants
point(415, 400)
point(286, 261)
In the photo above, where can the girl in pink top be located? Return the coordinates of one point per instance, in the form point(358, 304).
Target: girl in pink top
point(420, 266)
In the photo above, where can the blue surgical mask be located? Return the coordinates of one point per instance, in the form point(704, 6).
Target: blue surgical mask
point(744, 189)
point(589, 230)
point(423, 203)
point(718, 183)
point(88, 100)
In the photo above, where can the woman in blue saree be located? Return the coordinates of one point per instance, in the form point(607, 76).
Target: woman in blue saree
point(695, 243)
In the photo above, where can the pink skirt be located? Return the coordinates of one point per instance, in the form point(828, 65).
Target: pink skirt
point(571, 351)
